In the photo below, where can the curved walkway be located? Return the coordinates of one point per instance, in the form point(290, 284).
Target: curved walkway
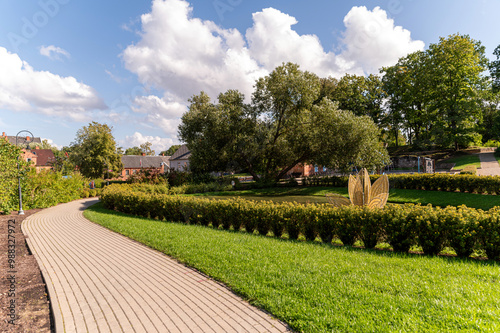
point(489, 165)
point(100, 281)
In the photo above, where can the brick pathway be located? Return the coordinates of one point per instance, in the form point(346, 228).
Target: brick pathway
point(100, 281)
point(489, 165)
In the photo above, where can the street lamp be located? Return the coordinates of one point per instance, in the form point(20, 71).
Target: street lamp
point(21, 211)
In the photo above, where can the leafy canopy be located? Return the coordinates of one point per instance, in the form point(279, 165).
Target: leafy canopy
point(282, 127)
point(95, 152)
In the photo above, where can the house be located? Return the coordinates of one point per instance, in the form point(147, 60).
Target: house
point(134, 163)
point(41, 159)
point(306, 170)
point(180, 159)
point(22, 141)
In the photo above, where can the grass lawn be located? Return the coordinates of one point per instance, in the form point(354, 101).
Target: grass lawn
point(464, 160)
point(317, 195)
point(322, 288)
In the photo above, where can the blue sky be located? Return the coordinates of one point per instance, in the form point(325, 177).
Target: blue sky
point(133, 65)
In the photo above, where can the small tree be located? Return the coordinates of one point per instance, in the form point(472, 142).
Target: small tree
point(95, 152)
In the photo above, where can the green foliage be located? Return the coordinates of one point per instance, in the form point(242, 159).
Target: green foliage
point(494, 67)
point(178, 178)
point(9, 197)
point(402, 226)
point(430, 182)
point(170, 151)
point(342, 140)
point(319, 288)
point(95, 152)
point(280, 129)
point(147, 175)
point(48, 188)
point(491, 143)
point(133, 151)
point(361, 95)
point(436, 95)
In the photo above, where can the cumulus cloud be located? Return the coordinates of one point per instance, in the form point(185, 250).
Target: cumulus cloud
point(372, 40)
point(272, 41)
point(164, 112)
point(158, 144)
point(54, 52)
point(182, 55)
point(24, 89)
point(185, 55)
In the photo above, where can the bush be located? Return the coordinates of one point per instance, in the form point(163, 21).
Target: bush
point(492, 143)
point(402, 226)
point(429, 182)
point(48, 188)
point(9, 195)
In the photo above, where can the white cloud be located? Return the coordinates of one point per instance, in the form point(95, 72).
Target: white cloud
point(161, 106)
point(51, 142)
point(185, 55)
point(158, 144)
point(24, 89)
point(182, 55)
point(164, 112)
point(371, 40)
point(272, 41)
point(54, 52)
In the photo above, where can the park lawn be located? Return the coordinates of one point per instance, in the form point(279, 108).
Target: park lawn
point(316, 195)
point(464, 161)
point(322, 288)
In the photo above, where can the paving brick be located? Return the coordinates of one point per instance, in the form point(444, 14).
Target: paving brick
point(101, 281)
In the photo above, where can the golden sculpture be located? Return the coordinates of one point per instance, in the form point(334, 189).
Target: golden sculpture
point(362, 193)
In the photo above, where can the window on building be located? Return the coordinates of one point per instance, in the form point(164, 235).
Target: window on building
point(127, 172)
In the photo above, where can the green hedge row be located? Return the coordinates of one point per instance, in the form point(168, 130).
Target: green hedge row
point(402, 226)
point(423, 181)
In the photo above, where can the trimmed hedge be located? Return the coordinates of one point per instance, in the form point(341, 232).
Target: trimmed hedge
point(424, 181)
point(402, 226)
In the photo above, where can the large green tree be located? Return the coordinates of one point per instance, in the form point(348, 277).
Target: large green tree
point(406, 86)
point(94, 151)
point(457, 76)
point(342, 140)
point(362, 95)
point(495, 70)
point(281, 128)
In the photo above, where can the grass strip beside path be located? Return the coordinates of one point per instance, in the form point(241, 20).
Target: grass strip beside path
point(321, 288)
point(464, 161)
point(317, 195)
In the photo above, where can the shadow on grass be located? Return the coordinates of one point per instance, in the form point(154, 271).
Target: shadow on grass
point(99, 208)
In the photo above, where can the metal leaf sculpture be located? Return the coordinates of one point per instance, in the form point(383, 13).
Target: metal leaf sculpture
point(362, 193)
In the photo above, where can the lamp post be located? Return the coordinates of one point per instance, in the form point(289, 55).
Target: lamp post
point(21, 211)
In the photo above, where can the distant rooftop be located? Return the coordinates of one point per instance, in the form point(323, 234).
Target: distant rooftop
point(22, 141)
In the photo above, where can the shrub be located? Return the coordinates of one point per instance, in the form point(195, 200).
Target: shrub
point(434, 182)
point(400, 232)
point(402, 226)
point(9, 195)
point(489, 233)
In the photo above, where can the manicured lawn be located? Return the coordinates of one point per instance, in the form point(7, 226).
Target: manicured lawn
point(464, 160)
point(317, 195)
point(322, 288)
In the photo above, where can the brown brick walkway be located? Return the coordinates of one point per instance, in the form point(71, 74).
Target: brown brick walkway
point(100, 281)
